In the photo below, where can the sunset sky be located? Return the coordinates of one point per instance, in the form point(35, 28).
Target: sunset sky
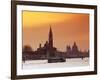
point(66, 27)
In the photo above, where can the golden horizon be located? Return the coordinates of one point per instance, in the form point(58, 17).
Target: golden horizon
point(67, 28)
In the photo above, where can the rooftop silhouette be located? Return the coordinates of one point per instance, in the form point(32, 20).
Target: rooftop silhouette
point(48, 51)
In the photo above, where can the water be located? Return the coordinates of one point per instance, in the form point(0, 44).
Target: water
point(72, 62)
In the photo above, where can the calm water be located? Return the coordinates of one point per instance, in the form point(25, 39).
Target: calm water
point(72, 62)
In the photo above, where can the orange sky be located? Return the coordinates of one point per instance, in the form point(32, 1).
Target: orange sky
point(66, 27)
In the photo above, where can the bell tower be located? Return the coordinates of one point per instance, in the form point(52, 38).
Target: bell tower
point(50, 38)
point(51, 50)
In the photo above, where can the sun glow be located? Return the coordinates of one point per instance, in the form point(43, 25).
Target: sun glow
point(66, 27)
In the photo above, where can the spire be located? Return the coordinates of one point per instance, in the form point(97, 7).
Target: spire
point(50, 37)
point(74, 43)
point(75, 48)
point(50, 32)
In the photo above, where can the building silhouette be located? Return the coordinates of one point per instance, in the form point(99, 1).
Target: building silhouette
point(48, 51)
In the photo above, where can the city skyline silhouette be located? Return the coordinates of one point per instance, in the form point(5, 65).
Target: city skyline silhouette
point(50, 52)
point(52, 42)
